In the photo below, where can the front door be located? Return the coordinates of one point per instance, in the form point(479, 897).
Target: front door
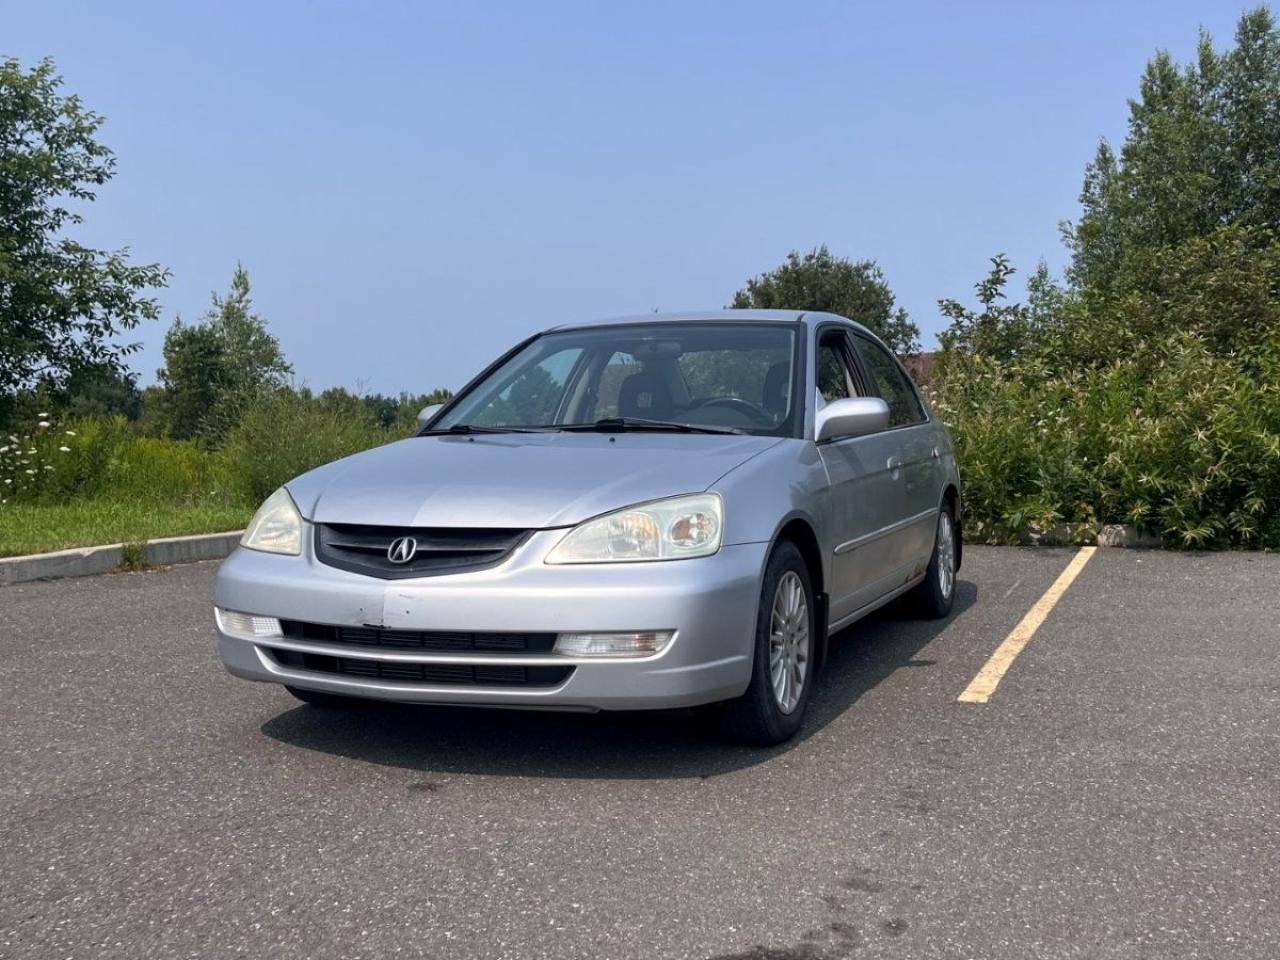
point(865, 489)
point(916, 443)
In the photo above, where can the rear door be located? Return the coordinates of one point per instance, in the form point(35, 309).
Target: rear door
point(866, 494)
point(914, 442)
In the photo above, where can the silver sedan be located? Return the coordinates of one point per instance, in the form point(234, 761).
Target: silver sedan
point(652, 512)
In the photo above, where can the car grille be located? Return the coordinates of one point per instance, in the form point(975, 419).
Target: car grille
point(440, 674)
point(440, 550)
point(431, 641)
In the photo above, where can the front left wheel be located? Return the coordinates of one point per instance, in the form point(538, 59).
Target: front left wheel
point(773, 707)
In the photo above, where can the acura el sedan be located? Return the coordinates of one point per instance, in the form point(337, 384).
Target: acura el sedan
point(643, 513)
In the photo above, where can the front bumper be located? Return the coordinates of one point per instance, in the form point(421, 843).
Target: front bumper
point(710, 604)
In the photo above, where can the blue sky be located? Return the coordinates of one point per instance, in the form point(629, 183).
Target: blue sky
point(413, 187)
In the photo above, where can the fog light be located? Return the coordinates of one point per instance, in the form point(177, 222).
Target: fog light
point(645, 644)
point(246, 626)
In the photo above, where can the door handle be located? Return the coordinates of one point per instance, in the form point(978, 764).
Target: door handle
point(894, 465)
point(935, 454)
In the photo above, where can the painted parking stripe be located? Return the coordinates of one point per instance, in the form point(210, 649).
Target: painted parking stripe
point(988, 678)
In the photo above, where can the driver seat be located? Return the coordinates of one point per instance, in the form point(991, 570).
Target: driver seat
point(776, 381)
point(645, 395)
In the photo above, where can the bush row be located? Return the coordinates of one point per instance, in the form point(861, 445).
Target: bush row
point(283, 434)
point(1179, 439)
point(1186, 445)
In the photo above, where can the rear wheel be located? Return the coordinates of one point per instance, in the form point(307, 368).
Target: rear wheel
point(319, 698)
point(934, 596)
point(773, 707)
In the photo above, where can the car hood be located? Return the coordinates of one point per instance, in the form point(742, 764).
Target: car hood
point(515, 480)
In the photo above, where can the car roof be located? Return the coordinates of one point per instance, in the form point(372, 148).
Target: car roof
point(717, 316)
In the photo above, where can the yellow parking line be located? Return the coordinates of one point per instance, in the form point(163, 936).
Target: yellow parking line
point(984, 684)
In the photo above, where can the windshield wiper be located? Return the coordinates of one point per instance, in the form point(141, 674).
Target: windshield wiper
point(620, 424)
point(464, 428)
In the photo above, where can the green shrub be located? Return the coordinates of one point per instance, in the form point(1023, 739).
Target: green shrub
point(106, 458)
point(1180, 441)
point(289, 432)
point(110, 459)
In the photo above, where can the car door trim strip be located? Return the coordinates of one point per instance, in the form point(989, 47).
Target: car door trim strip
point(885, 531)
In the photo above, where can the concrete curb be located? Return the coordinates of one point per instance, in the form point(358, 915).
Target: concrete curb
point(87, 561)
point(1106, 535)
point(1120, 535)
point(208, 546)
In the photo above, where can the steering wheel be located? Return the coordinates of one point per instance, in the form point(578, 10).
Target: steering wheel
point(757, 413)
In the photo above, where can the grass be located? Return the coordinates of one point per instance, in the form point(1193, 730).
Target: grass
point(37, 528)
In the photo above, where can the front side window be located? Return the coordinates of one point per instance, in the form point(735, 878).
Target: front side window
point(892, 384)
point(833, 379)
point(738, 376)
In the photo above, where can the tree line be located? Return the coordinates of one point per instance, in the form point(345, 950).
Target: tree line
point(1142, 386)
point(65, 308)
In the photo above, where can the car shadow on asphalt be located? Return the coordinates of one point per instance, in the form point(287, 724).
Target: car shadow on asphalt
point(633, 745)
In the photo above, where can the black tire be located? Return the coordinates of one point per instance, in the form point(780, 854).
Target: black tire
point(319, 698)
point(932, 599)
point(757, 717)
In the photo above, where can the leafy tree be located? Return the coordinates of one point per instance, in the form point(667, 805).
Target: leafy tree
point(61, 303)
point(391, 412)
point(822, 282)
point(195, 377)
point(997, 331)
point(1202, 152)
point(99, 390)
point(1221, 288)
point(216, 367)
point(92, 390)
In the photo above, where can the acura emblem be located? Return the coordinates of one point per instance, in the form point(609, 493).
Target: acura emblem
point(402, 549)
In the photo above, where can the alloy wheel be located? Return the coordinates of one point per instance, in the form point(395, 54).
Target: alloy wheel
point(789, 641)
point(946, 554)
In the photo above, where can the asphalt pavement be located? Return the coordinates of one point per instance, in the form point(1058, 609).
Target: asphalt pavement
point(1117, 796)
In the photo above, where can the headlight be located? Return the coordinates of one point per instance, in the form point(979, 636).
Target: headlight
point(276, 527)
point(674, 529)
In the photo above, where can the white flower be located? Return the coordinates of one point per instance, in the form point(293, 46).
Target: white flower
point(65, 449)
point(71, 433)
point(41, 415)
point(7, 481)
point(4, 449)
point(31, 473)
point(43, 423)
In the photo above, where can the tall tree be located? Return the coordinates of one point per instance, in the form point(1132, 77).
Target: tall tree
point(213, 369)
point(1202, 152)
point(829, 284)
point(61, 302)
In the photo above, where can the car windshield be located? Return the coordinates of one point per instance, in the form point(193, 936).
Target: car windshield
point(721, 377)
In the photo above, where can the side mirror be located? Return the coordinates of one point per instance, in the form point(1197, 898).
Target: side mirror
point(851, 417)
point(426, 413)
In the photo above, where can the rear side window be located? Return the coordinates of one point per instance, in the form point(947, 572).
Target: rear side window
point(892, 384)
